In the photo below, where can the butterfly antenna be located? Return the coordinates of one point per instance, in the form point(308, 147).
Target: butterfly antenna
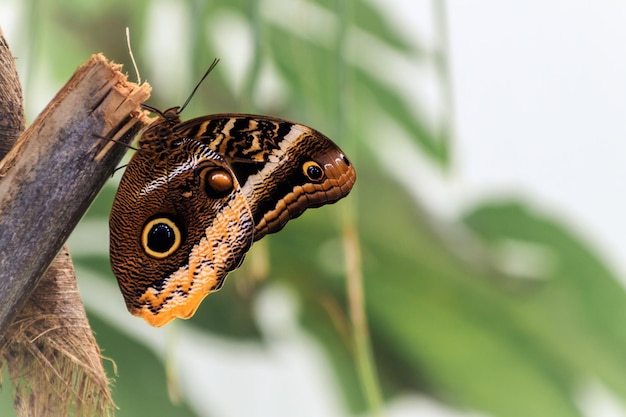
point(153, 110)
point(213, 65)
point(118, 168)
point(132, 57)
point(128, 146)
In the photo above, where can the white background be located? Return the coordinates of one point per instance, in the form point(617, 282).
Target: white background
point(540, 90)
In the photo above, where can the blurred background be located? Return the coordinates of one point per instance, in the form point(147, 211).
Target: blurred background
point(488, 139)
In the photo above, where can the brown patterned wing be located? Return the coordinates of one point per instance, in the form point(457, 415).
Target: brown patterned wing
point(283, 167)
point(179, 224)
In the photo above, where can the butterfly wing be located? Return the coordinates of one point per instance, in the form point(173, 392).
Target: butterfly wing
point(179, 224)
point(283, 167)
point(198, 193)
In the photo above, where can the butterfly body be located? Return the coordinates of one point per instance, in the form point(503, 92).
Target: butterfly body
point(197, 194)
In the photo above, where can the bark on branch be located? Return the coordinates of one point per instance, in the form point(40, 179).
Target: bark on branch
point(55, 170)
point(47, 347)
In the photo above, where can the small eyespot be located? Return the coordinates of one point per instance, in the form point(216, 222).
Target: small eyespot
point(218, 183)
point(313, 171)
point(345, 160)
point(161, 237)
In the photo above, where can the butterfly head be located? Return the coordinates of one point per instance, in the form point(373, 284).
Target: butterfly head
point(158, 135)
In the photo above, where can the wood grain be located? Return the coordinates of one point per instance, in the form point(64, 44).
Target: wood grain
point(12, 121)
point(55, 170)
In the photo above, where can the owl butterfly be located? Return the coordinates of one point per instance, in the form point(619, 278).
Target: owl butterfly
point(197, 194)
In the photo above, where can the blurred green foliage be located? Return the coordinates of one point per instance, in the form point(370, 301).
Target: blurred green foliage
point(445, 320)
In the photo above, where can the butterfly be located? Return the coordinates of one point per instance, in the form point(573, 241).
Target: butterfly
point(197, 194)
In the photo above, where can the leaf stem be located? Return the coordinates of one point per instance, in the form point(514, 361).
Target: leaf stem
point(351, 244)
point(442, 62)
point(254, 71)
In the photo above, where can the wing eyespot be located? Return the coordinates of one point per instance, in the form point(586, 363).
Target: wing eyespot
point(218, 182)
point(313, 171)
point(161, 237)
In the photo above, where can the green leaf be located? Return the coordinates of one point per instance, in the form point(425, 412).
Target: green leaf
point(440, 324)
point(578, 307)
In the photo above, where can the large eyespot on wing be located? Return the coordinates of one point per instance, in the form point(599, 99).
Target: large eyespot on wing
point(220, 250)
point(174, 241)
point(161, 236)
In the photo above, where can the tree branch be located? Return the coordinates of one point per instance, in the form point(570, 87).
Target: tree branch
point(55, 170)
